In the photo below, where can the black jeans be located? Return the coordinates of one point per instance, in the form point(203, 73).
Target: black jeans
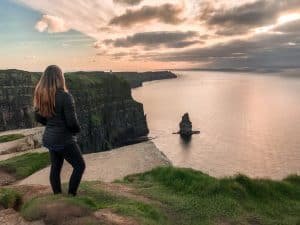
point(71, 153)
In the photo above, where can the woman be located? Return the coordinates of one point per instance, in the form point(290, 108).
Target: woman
point(55, 108)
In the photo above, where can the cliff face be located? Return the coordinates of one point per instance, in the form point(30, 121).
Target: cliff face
point(16, 90)
point(108, 115)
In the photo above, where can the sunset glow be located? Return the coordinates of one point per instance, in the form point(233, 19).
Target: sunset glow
point(288, 18)
point(144, 35)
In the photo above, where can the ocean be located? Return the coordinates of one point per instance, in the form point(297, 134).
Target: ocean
point(249, 122)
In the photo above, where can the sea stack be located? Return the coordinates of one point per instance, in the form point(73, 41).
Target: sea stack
point(185, 126)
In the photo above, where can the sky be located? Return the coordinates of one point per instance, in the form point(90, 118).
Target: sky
point(139, 35)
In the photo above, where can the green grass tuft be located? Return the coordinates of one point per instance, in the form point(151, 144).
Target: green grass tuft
point(24, 165)
point(294, 179)
point(10, 137)
point(35, 208)
point(10, 198)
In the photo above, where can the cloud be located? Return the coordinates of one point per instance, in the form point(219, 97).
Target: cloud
point(183, 44)
point(292, 27)
point(97, 45)
point(240, 19)
point(255, 13)
point(264, 51)
point(174, 39)
point(200, 54)
point(52, 23)
point(173, 31)
point(128, 2)
point(166, 13)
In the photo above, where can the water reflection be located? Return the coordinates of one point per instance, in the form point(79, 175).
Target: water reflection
point(185, 141)
point(249, 123)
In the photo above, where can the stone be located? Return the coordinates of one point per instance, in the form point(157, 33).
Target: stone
point(185, 126)
point(32, 140)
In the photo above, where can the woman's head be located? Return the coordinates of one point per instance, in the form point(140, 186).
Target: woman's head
point(44, 95)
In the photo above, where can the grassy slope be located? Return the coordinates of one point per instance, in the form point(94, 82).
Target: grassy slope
point(191, 197)
point(93, 199)
point(10, 137)
point(24, 165)
point(188, 197)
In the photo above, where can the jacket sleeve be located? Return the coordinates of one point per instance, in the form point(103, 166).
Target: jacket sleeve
point(70, 114)
point(40, 119)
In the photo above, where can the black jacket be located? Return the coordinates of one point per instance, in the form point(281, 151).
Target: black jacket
point(62, 127)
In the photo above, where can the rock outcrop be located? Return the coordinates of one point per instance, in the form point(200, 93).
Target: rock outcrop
point(106, 110)
point(185, 127)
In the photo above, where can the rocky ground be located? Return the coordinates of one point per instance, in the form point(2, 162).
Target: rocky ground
point(12, 217)
point(31, 140)
point(109, 166)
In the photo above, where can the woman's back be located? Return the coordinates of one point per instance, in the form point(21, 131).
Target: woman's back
point(62, 126)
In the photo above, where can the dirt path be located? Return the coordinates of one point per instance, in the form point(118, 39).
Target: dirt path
point(114, 219)
point(125, 191)
point(25, 132)
point(6, 178)
point(11, 217)
point(11, 155)
point(109, 166)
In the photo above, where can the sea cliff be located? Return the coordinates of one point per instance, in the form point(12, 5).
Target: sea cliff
point(108, 114)
point(136, 79)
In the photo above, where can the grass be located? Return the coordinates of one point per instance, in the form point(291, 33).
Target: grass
point(143, 212)
point(10, 137)
point(93, 198)
point(184, 197)
point(34, 208)
point(191, 197)
point(10, 198)
point(24, 165)
point(83, 79)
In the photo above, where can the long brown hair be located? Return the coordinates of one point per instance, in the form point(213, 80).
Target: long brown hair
point(44, 94)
